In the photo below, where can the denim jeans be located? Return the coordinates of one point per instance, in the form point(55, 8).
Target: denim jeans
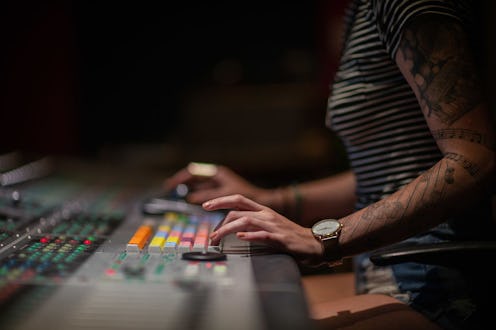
point(442, 294)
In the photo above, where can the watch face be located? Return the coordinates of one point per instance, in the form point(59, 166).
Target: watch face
point(326, 227)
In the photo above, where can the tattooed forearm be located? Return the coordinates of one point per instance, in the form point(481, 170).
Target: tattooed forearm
point(410, 205)
point(471, 168)
point(380, 213)
point(463, 134)
point(438, 59)
point(383, 211)
point(433, 191)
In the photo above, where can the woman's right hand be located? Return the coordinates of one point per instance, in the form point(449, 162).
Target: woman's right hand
point(208, 181)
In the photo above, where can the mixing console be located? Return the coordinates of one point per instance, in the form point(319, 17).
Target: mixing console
point(85, 249)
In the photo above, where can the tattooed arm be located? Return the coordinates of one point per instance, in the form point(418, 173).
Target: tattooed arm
point(434, 57)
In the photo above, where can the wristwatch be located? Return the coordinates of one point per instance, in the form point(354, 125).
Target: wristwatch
point(327, 232)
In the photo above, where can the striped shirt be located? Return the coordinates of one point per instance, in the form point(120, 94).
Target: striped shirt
point(372, 108)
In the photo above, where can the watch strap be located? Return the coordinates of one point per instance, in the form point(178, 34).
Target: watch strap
point(332, 252)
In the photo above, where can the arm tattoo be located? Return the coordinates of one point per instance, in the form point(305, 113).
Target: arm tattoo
point(463, 134)
point(436, 51)
point(429, 190)
point(383, 211)
point(471, 168)
point(380, 213)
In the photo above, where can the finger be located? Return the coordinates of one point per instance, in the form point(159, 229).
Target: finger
point(235, 215)
point(261, 236)
point(200, 196)
point(259, 220)
point(238, 202)
point(241, 224)
point(246, 221)
point(265, 219)
point(231, 216)
point(183, 176)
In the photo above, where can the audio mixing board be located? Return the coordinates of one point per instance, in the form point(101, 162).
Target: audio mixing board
point(86, 248)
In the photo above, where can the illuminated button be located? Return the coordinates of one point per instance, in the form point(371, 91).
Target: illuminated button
point(174, 238)
point(187, 239)
point(220, 269)
point(110, 272)
point(164, 229)
point(171, 216)
point(158, 241)
point(183, 218)
point(171, 244)
point(156, 245)
point(195, 219)
point(201, 238)
point(139, 239)
point(192, 269)
point(185, 245)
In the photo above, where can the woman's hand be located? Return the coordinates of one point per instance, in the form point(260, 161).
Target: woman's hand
point(208, 181)
point(254, 222)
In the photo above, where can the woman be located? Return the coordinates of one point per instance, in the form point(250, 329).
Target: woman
point(407, 103)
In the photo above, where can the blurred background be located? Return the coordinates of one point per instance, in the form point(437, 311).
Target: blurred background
point(153, 85)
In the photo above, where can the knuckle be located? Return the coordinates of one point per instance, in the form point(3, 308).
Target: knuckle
point(231, 214)
point(266, 236)
point(238, 197)
point(245, 220)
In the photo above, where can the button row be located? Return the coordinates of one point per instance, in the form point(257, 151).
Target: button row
point(176, 233)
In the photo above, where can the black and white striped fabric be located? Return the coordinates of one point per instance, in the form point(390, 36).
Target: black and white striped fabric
point(372, 108)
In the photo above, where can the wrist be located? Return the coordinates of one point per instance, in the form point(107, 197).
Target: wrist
point(315, 256)
point(292, 202)
point(268, 197)
point(286, 200)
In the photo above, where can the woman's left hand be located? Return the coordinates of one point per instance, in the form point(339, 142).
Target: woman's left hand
point(254, 222)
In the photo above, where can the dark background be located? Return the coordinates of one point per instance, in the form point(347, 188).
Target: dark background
point(153, 85)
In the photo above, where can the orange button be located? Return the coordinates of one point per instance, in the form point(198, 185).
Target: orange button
point(140, 237)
